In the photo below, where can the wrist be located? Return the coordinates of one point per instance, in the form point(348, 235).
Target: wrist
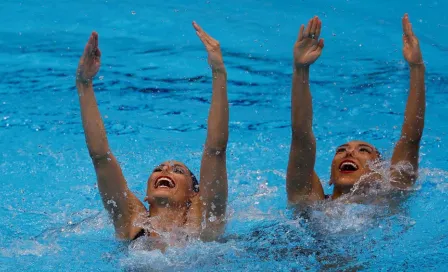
point(81, 82)
point(219, 70)
point(301, 69)
point(419, 65)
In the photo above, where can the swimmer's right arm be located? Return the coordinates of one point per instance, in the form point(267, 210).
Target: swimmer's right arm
point(407, 147)
point(213, 190)
point(119, 201)
point(302, 183)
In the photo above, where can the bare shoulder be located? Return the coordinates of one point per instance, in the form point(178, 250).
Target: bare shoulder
point(129, 227)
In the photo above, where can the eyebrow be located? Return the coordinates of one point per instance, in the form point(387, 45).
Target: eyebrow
point(369, 146)
point(365, 145)
point(176, 164)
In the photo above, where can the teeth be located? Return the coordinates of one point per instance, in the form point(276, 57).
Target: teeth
point(170, 182)
point(349, 163)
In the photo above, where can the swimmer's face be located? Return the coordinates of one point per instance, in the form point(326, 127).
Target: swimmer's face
point(170, 183)
point(351, 162)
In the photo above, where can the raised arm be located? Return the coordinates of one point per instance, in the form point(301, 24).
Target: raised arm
point(213, 181)
point(302, 183)
point(122, 204)
point(407, 147)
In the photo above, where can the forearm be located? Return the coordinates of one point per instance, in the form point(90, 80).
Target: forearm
point(213, 185)
point(218, 119)
point(300, 173)
point(301, 105)
point(414, 118)
point(94, 131)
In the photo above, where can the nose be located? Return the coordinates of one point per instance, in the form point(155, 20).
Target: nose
point(350, 150)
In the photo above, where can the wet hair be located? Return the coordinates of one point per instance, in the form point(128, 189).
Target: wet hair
point(378, 154)
point(195, 181)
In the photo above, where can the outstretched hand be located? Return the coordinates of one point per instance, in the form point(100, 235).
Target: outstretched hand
point(411, 47)
point(90, 61)
point(213, 49)
point(308, 47)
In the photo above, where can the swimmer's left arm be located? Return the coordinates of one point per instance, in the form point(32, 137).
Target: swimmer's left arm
point(407, 147)
point(213, 189)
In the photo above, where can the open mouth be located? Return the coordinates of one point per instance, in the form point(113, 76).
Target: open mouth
point(348, 167)
point(164, 182)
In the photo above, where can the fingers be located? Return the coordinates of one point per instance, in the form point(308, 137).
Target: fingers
point(302, 27)
point(407, 27)
point(313, 27)
point(91, 48)
point(321, 43)
point(88, 47)
point(206, 39)
point(312, 30)
point(318, 29)
point(98, 53)
point(95, 40)
point(197, 27)
point(405, 41)
point(201, 34)
point(306, 33)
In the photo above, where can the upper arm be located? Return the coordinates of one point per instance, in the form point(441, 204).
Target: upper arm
point(119, 201)
point(213, 191)
point(302, 183)
point(405, 153)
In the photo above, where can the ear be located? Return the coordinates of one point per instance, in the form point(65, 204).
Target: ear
point(146, 199)
point(330, 182)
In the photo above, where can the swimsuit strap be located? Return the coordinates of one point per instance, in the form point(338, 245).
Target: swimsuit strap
point(140, 234)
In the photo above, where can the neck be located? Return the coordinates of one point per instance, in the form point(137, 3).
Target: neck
point(339, 191)
point(167, 217)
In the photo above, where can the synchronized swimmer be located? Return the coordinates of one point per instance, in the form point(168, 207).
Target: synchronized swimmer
point(351, 161)
point(178, 201)
point(176, 198)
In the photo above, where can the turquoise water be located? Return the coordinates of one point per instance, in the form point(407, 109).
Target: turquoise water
point(154, 91)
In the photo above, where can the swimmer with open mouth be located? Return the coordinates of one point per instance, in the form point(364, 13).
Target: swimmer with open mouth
point(352, 160)
point(175, 197)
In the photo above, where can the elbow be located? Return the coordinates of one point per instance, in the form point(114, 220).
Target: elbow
point(412, 132)
point(216, 149)
point(216, 145)
point(99, 156)
point(303, 136)
point(98, 152)
point(411, 139)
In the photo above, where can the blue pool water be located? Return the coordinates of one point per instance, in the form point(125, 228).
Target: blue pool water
point(154, 91)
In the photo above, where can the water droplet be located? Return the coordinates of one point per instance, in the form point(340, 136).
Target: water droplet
point(133, 12)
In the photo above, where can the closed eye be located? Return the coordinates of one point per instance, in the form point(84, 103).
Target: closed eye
point(340, 149)
point(179, 170)
point(157, 169)
point(364, 149)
